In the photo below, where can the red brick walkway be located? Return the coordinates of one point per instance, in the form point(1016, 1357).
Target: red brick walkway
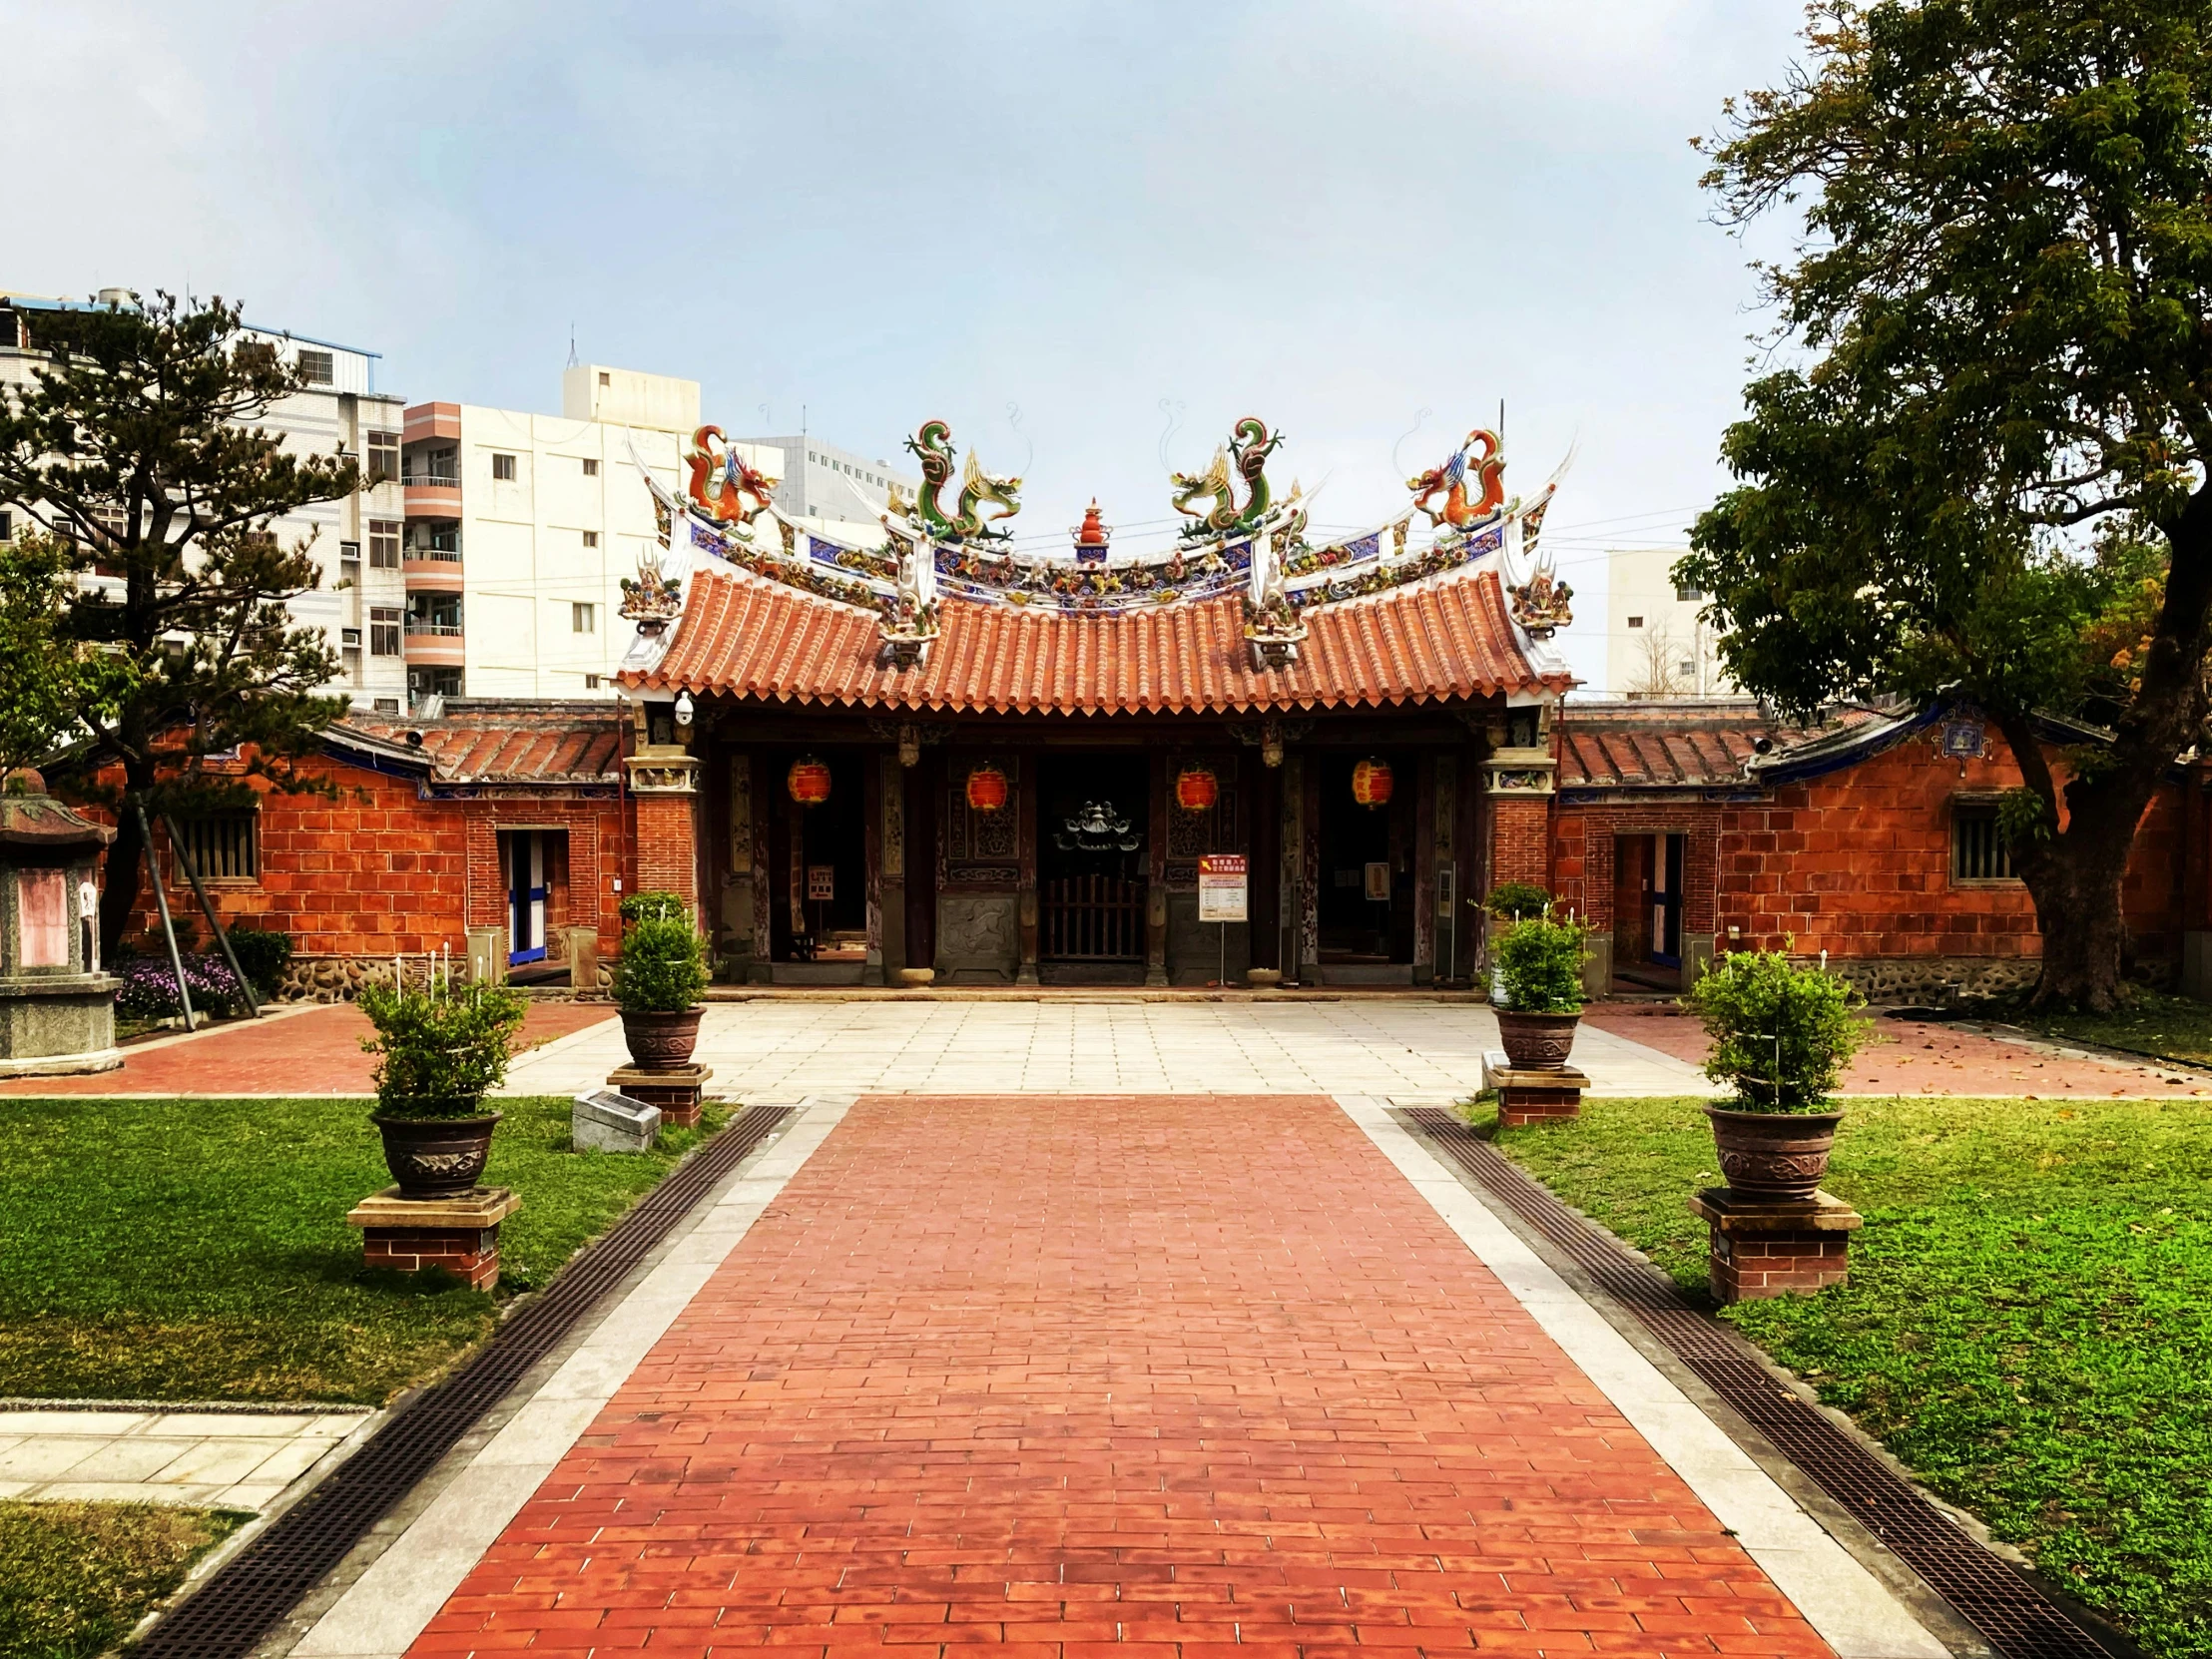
point(314, 1051)
point(1128, 1377)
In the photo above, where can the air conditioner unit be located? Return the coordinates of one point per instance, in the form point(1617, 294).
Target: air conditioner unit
point(352, 636)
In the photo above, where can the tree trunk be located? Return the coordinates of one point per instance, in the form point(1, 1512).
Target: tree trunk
point(126, 869)
point(2074, 880)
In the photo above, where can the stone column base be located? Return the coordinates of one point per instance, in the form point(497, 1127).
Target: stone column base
point(1527, 1096)
point(676, 1091)
point(461, 1235)
point(1765, 1247)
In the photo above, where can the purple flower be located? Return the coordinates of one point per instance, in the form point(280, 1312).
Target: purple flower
point(150, 986)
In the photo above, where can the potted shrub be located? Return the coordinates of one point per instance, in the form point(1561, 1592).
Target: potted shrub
point(439, 1052)
point(1781, 1035)
point(1507, 901)
point(1538, 964)
point(656, 981)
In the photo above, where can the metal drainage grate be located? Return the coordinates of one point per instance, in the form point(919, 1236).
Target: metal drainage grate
point(229, 1615)
point(2018, 1620)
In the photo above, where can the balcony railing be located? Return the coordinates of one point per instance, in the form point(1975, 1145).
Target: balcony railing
point(446, 555)
point(431, 480)
point(450, 630)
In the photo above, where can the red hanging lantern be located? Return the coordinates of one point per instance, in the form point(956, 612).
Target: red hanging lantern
point(1196, 789)
point(986, 788)
point(1370, 783)
point(809, 781)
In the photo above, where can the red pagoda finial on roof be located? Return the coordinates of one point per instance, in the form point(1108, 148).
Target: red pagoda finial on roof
point(1092, 535)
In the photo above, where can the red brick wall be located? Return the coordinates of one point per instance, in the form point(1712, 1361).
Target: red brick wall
point(666, 856)
point(1521, 840)
point(380, 870)
point(1858, 863)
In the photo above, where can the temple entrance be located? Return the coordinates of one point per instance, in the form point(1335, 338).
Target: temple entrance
point(1365, 901)
point(1093, 817)
point(818, 868)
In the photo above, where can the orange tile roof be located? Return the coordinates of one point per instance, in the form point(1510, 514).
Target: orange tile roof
point(487, 740)
point(743, 634)
point(1672, 744)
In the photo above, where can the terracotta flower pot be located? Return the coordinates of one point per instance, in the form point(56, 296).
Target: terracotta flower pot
point(1536, 1042)
point(1774, 1154)
point(435, 1157)
point(661, 1041)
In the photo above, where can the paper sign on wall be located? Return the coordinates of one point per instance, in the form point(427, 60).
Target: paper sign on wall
point(821, 881)
point(1221, 887)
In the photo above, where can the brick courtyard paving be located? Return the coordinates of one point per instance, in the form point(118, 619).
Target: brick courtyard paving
point(291, 1051)
point(1910, 1056)
point(1144, 1377)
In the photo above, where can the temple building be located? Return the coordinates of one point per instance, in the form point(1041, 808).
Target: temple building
point(936, 754)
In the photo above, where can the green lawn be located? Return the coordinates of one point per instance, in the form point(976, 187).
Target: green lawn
point(76, 1577)
point(2028, 1322)
point(197, 1248)
point(2169, 1027)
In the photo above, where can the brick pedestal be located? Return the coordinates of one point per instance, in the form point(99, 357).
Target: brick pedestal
point(676, 1091)
point(1527, 1096)
point(461, 1235)
point(1763, 1247)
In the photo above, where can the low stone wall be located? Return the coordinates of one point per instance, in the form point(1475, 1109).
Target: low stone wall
point(340, 978)
point(1934, 980)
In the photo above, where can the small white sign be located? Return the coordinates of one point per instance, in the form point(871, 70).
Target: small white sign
point(1221, 887)
point(1379, 881)
point(821, 881)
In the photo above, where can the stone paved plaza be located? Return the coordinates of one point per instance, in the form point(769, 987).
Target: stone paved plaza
point(786, 1049)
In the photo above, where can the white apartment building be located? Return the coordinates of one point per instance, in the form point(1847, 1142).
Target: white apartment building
point(836, 486)
point(339, 409)
point(1655, 644)
point(521, 527)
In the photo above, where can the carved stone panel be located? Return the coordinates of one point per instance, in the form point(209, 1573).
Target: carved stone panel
point(978, 934)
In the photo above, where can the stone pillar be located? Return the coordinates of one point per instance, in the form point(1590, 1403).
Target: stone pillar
point(664, 784)
point(893, 866)
point(1156, 874)
point(1425, 869)
point(1304, 792)
point(1264, 888)
point(871, 870)
point(740, 919)
point(1025, 852)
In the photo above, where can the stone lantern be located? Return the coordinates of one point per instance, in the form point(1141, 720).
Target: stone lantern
point(57, 1009)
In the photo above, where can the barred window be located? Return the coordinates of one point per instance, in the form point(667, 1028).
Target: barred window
point(591, 467)
point(1977, 849)
point(222, 846)
point(317, 368)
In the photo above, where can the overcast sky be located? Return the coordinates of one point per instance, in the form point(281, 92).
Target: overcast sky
point(1350, 220)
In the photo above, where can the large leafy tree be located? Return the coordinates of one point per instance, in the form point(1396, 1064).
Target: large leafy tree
point(138, 446)
point(1977, 459)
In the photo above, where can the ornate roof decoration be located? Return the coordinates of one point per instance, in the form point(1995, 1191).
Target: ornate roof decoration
point(1241, 541)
